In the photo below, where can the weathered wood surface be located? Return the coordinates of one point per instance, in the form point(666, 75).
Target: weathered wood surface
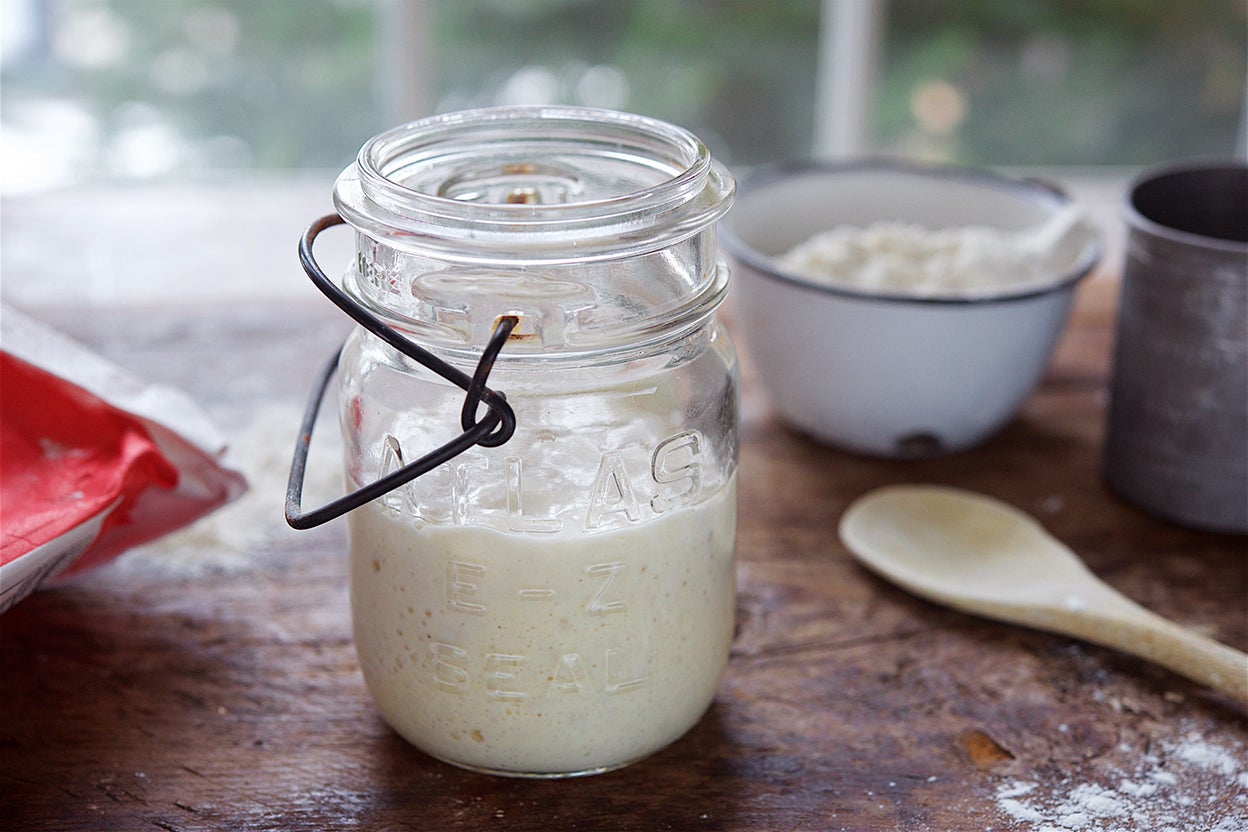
point(209, 682)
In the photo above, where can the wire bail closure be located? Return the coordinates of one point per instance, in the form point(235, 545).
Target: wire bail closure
point(493, 430)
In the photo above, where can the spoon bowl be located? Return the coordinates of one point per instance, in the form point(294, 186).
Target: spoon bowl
point(982, 556)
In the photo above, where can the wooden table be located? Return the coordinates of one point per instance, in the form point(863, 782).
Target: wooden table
point(209, 682)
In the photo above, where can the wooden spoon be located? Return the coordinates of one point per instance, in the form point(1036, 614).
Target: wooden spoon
point(981, 556)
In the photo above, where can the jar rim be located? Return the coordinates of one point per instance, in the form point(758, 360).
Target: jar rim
point(667, 186)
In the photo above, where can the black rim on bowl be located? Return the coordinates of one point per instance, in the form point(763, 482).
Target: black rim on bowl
point(1033, 189)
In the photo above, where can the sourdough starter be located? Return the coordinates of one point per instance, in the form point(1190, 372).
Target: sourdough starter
point(542, 654)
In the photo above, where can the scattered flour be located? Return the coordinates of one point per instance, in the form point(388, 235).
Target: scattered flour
point(1182, 787)
point(232, 538)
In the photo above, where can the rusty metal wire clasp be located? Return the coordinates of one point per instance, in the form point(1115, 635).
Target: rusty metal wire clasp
point(493, 430)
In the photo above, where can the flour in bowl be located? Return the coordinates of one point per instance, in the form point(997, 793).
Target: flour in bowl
point(896, 257)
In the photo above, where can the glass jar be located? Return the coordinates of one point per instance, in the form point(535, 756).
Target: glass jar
point(560, 604)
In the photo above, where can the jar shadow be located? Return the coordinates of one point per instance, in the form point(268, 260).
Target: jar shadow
point(687, 785)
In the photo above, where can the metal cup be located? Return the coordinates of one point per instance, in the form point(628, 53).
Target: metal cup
point(1177, 436)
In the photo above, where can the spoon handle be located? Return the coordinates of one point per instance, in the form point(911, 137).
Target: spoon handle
point(1130, 628)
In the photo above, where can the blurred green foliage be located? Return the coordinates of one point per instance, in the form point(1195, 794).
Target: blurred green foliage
point(739, 73)
point(291, 78)
point(294, 84)
point(1073, 82)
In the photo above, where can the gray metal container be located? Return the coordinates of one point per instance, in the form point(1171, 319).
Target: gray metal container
point(1177, 437)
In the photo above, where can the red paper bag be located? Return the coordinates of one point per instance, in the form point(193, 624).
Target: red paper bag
point(93, 461)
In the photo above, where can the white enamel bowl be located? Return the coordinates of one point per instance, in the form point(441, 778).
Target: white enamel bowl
point(892, 375)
